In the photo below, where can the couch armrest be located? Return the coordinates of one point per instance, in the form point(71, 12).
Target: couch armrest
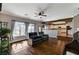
point(30, 42)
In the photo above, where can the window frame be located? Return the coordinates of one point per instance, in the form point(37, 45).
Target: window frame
point(19, 30)
point(30, 28)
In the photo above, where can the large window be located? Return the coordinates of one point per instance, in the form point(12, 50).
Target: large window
point(31, 28)
point(19, 29)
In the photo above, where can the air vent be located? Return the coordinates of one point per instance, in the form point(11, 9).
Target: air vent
point(0, 6)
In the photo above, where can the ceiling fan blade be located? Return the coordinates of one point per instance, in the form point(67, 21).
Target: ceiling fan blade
point(48, 7)
point(36, 15)
point(39, 9)
point(44, 15)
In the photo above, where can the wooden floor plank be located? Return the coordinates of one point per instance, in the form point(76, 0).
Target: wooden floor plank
point(49, 47)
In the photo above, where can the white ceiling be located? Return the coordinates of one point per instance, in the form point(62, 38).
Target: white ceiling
point(55, 10)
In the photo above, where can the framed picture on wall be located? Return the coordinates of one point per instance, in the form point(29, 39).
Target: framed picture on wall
point(4, 24)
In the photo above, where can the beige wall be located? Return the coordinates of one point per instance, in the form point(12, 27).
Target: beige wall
point(9, 18)
point(5, 18)
point(75, 23)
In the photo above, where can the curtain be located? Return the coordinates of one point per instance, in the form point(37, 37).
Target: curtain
point(12, 28)
point(26, 30)
point(36, 27)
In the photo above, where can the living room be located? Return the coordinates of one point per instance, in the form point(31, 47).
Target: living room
point(39, 28)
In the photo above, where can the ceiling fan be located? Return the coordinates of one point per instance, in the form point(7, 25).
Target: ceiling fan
point(41, 12)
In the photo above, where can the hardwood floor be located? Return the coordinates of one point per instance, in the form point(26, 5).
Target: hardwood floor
point(50, 47)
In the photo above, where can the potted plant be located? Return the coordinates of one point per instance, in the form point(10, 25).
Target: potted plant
point(4, 32)
point(4, 35)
